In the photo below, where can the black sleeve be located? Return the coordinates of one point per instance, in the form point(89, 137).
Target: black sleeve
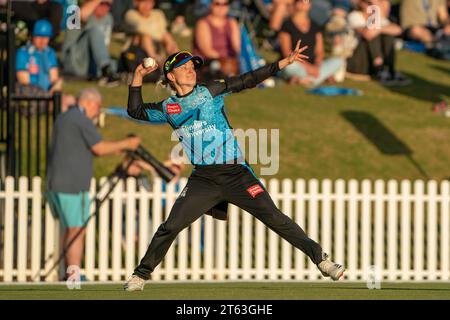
point(244, 81)
point(136, 106)
point(286, 27)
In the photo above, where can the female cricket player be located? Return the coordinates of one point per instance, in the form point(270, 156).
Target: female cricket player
point(221, 175)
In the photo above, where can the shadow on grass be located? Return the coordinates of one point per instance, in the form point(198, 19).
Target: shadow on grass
point(380, 136)
point(441, 68)
point(422, 89)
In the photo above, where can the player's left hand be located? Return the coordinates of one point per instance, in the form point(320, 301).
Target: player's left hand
point(296, 54)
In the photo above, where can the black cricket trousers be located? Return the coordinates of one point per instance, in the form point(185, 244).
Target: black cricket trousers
point(210, 185)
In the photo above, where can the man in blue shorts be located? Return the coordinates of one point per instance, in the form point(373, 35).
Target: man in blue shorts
point(75, 142)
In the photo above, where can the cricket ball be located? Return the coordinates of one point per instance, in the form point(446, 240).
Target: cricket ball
point(149, 62)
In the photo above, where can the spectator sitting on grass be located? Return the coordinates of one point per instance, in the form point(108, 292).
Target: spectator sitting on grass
point(149, 28)
point(85, 51)
point(300, 27)
point(375, 54)
point(422, 19)
point(218, 40)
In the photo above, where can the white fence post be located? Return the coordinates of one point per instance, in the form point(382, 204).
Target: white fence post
point(445, 230)
point(405, 244)
point(300, 220)
point(36, 229)
point(22, 230)
point(392, 214)
point(117, 216)
point(183, 251)
point(313, 227)
point(157, 217)
point(9, 230)
point(366, 229)
point(103, 235)
point(379, 228)
point(432, 243)
point(90, 242)
point(130, 226)
point(169, 259)
point(339, 222)
point(326, 213)
point(418, 229)
point(352, 232)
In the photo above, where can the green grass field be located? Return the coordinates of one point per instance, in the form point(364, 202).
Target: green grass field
point(230, 291)
point(389, 133)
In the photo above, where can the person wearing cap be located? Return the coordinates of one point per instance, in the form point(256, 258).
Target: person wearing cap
point(85, 51)
point(221, 174)
point(36, 62)
point(37, 70)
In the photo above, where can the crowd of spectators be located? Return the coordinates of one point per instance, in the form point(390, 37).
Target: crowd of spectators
point(355, 38)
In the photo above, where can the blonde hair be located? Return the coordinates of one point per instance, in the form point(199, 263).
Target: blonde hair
point(166, 84)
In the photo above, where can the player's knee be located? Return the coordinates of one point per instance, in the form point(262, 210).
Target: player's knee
point(276, 219)
point(171, 229)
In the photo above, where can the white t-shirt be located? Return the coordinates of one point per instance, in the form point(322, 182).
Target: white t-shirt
point(357, 20)
point(154, 26)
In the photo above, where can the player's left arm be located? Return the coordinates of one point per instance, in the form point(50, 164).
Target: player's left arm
point(253, 78)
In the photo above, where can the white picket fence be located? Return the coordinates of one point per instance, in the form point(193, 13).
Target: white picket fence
point(402, 228)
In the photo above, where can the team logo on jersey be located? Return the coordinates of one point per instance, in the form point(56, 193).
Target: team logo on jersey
point(33, 67)
point(255, 190)
point(173, 108)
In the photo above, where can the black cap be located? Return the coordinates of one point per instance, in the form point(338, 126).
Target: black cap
point(178, 59)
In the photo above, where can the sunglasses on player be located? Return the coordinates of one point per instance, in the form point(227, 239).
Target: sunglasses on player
point(221, 4)
point(178, 59)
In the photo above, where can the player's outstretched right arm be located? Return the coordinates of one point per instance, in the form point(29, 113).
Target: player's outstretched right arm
point(136, 108)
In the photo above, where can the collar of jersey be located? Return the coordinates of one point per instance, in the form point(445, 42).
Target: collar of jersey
point(186, 94)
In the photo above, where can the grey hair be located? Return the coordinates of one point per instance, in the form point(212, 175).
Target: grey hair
point(89, 94)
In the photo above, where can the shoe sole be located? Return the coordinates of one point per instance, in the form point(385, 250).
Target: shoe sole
point(340, 275)
point(131, 290)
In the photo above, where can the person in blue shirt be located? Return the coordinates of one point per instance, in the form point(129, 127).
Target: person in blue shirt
point(221, 175)
point(36, 62)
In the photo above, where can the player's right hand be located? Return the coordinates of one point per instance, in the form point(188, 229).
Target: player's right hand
point(142, 71)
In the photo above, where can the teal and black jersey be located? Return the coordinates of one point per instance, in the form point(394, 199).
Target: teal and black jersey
point(199, 117)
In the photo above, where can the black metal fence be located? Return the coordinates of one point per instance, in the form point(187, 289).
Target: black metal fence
point(26, 121)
